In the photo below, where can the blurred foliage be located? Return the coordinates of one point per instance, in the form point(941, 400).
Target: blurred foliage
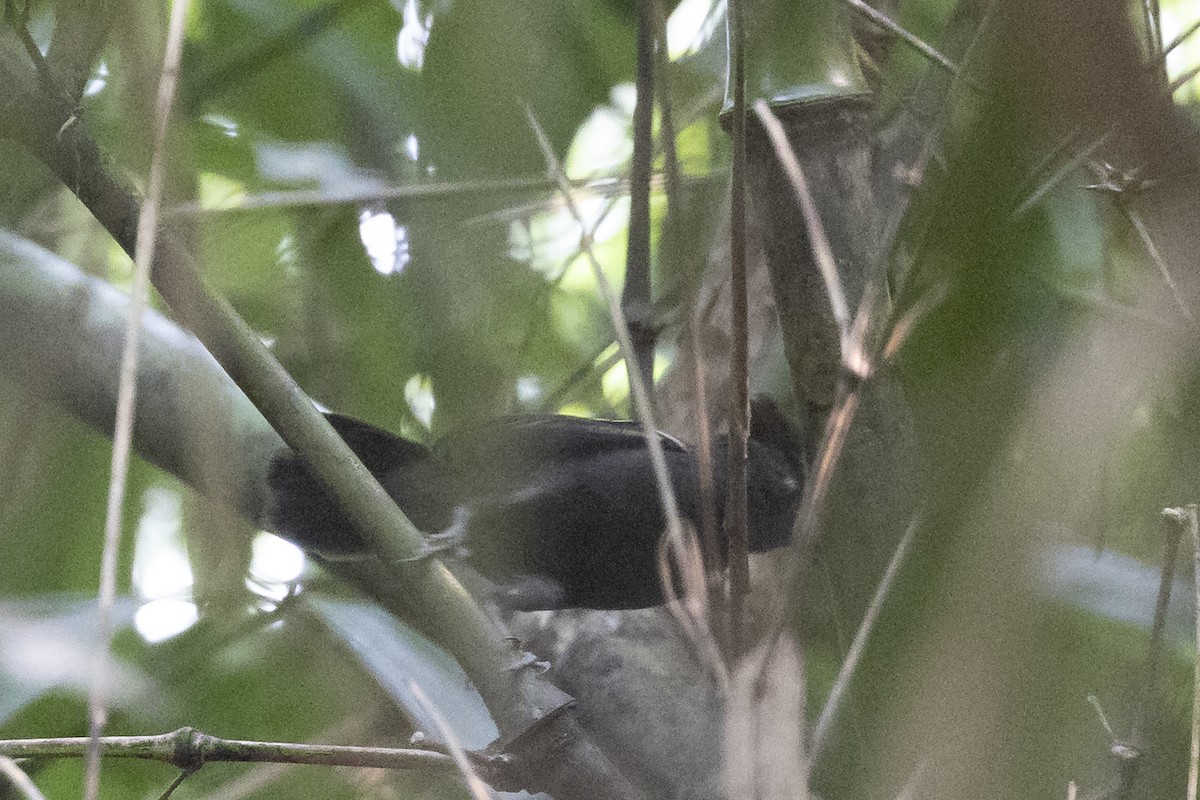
point(301, 119)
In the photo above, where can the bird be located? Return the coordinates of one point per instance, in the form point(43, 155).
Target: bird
point(554, 511)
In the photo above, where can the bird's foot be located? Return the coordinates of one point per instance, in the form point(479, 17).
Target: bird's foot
point(527, 660)
point(453, 540)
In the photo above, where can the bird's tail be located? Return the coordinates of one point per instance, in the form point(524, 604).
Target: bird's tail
point(301, 508)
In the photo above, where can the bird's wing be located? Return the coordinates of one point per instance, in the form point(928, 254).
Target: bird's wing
point(536, 439)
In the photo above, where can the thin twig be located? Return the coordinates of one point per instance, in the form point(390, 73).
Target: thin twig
point(907, 322)
point(1052, 156)
point(254, 782)
point(599, 362)
point(268, 49)
point(911, 39)
point(1153, 16)
point(475, 784)
point(1102, 717)
point(35, 55)
point(929, 148)
point(18, 20)
point(1126, 754)
point(736, 501)
point(127, 392)
point(858, 646)
point(1119, 189)
point(369, 193)
point(636, 301)
point(187, 747)
point(669, 249)
point(1193, 520)
point(672, 178)
point(709, 540)
point(1181, 38)
point(1135, 219)
point(76, 43)
point(175, 784)
point(1120, 186)
point(1058, 175)
point(1173, 519)
point(1182, 80)
point(613, 188)
point(18, 780)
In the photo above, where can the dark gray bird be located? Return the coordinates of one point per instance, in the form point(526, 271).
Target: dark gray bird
point(560, 512)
